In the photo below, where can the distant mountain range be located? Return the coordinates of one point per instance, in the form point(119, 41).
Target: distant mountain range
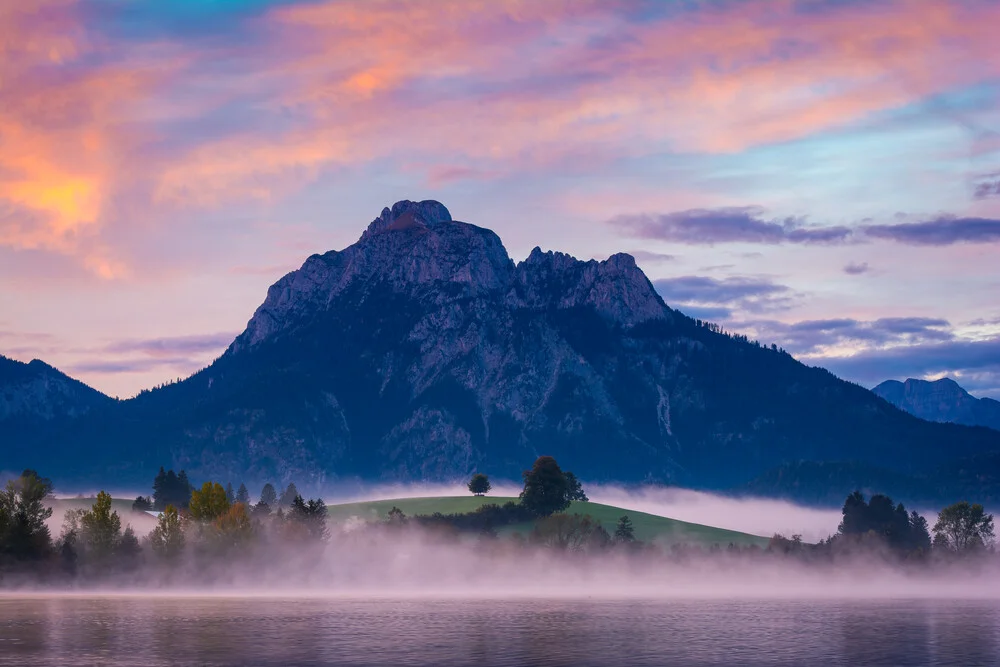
point(422, 352)
point(941, 401)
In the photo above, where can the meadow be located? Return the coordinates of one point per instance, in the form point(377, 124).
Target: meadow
point(648, 527)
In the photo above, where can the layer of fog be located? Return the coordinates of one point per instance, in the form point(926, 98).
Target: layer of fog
point(757, 516)
point(410, 562)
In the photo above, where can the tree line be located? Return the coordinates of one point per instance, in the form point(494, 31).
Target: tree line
point(211, 522)
point(217, 524)
point(170, 488)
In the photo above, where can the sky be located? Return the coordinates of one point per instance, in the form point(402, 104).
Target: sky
point(824, 174)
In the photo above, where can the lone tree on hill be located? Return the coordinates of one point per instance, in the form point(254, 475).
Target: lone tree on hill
point(625, 532)
point(480, 484)
point(546, 489)
point(962, 526)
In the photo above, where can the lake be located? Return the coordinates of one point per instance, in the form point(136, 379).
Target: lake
point(132, 630)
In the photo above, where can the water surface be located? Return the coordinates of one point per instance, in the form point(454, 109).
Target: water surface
point(132, 630)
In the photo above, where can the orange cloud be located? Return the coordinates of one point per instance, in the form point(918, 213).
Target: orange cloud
point(61, 132)
point(459, 89)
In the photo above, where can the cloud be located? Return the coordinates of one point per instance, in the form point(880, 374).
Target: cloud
point(275, 270)
point(166, 348)
point(939, 231)
point(65, 128)
point(985, 321)
point(748, 225)
point(716, 299)
point(727, 225)
point(147, 360)
point(115, 119)
point(856, 268)
point(987, 189)
point(711, 290)
point(811, 337)
point(649, 256)
point(871, 351)
point(707, 313)
point(180, 365)
point(179, 355)
point(973, 363)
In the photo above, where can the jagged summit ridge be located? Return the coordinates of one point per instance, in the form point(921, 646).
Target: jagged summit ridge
point(416, 248)
point(617, 288)
point(427, 213)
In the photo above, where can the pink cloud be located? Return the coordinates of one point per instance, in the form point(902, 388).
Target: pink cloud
point(64, 131)
point(469, 90)
point(716, 80)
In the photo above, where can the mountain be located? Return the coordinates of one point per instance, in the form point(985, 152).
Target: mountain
point(35, 393)
point(941, 401)
point(423, 352)
point(35, 400)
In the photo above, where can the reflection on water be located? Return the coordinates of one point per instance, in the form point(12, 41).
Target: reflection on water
point(263, 631)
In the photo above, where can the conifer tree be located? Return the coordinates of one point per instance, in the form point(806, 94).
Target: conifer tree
point(625, 531)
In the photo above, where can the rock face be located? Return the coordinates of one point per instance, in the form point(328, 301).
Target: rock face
point(422, 352)
point(941, 401)
point(417, 249)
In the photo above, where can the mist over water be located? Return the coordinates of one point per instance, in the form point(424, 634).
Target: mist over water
point(361, 559)
point(383, 594)
point(379, 561)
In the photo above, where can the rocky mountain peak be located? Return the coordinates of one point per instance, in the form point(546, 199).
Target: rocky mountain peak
point(417, 249)
point(413, 248)
point(616, 287)
point(941, 400)
point(406, 213)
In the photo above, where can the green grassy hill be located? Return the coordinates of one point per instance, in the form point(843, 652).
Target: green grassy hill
point(648, 527)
